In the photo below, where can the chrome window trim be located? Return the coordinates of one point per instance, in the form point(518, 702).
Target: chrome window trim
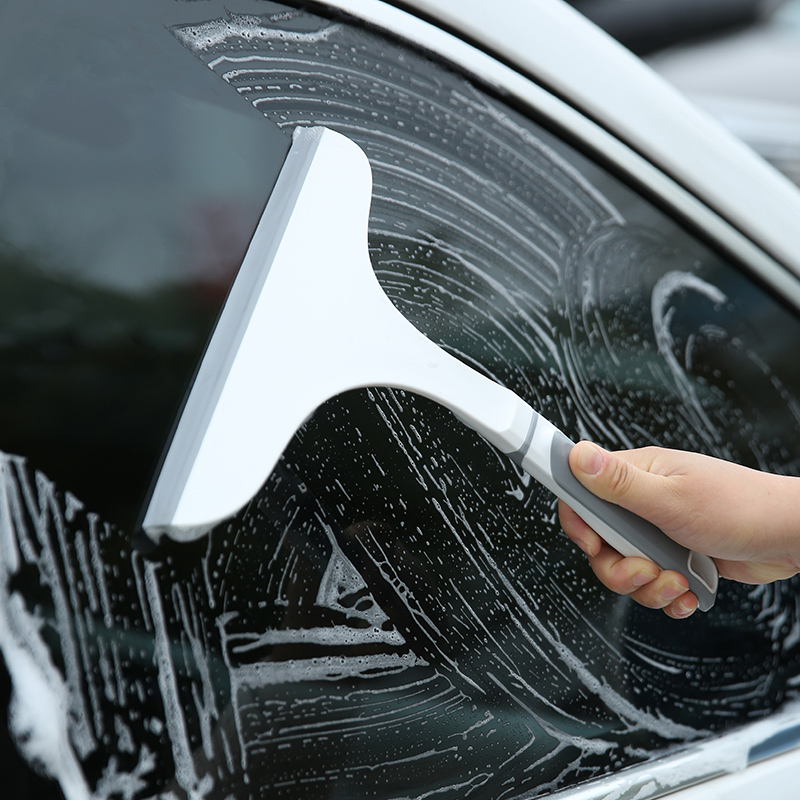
point(727, 754)
point(506, 80)
point(775, 779)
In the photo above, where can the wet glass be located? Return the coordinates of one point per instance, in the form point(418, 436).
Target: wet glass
point(396, 613)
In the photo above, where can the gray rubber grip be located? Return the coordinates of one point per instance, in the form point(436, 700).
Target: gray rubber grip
point(700, 570)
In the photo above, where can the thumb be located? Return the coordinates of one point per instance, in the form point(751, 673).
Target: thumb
point(612, 478)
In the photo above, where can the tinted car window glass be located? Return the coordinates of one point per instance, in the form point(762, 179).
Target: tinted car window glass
point(130, 187)
point(396, 614)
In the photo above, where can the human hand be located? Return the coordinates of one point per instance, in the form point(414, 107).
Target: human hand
point(748, 521)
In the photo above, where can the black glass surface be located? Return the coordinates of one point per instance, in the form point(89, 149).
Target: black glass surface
point(131, 184)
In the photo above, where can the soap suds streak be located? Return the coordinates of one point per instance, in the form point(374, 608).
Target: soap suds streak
point(671, 284)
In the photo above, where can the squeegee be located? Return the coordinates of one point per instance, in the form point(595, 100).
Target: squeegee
point(305, 320)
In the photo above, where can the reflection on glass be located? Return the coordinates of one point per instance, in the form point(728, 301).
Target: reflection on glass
point(129, 189)
point(396, 613)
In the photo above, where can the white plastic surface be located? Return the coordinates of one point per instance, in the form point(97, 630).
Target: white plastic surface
point(319, 326)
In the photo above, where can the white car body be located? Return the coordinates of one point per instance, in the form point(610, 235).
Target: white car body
point(748, 81)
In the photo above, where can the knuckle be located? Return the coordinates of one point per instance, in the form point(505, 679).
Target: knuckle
point(619, 479)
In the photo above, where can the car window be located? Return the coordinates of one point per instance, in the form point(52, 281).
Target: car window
point(125, 210)
point(396, 613)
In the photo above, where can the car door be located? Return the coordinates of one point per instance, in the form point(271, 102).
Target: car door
point(395, 613)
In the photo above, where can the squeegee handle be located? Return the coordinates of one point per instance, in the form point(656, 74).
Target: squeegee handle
point(546, 458)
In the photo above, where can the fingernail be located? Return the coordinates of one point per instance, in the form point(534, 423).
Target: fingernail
point(585, 547)
point(681, 610)
point(590, 459)
point(643, 578)
point(672, 590)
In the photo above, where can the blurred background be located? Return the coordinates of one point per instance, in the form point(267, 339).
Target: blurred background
point(739, 60)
